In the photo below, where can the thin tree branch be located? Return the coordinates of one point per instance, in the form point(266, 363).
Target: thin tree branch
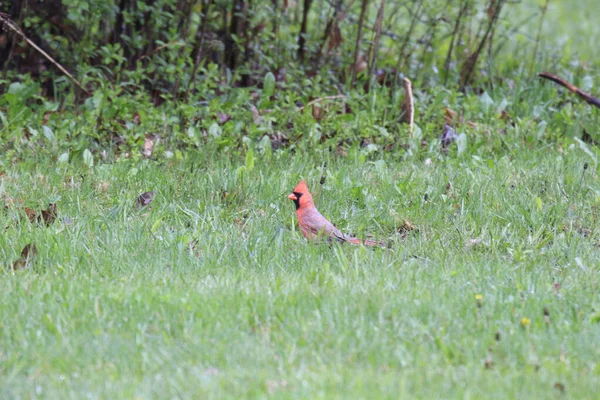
point(7, 22)
point(585, 96)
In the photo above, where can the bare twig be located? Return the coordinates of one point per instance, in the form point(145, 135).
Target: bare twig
point(363, 11)
point(329, 28)
point(413, 22)
point(378, 23)
point(468, 66)
point(7, 22)
point(585, 96)
point(461, 12)
point(408, 106)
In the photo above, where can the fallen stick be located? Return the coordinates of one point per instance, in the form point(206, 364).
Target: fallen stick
point(585, 96)
point(408, 106)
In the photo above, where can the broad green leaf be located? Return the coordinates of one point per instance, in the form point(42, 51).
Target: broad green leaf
point(461, 143)
point(215, 130)
point(538, 204)
point(269, 85)
point(249, 160)
point(49, 134)
point(88, 158)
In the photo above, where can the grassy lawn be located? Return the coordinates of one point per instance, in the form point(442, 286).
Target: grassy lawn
point(211, 291)
point(206, 295)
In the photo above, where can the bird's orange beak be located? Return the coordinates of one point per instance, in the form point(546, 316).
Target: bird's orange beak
point(292, 197)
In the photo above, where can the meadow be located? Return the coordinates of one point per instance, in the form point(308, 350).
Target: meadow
point(489, 287)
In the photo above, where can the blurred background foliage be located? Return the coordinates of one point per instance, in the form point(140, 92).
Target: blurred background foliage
point(173, 48)
point(235, 69)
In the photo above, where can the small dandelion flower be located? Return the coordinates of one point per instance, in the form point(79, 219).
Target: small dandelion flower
point(479, 298)
point(525, 322)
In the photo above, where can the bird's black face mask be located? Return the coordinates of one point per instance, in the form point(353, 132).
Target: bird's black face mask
point(297, 199)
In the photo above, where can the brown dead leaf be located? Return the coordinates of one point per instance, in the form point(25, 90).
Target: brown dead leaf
point(256, 118)
point(560, 387)
point(49, 215)
point(341, 151)
point(278, 140)
point(547, 315)
point(585, 232)
point(46, 216)
point(386, 77)
point(8, 202)
point(144, 199)
point(46, 118)
point(406, 227)
point(448, 191)
point(223, 118)
point(505, 116)
point(240, 221)
point(450, 116)
point(31, 214)
point(489, 362)
point(103, 186)
point(27, 255)
point(136, 118)
point(317, 112)
point(148, 146)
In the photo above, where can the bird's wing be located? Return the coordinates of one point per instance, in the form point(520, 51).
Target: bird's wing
point(318, 224)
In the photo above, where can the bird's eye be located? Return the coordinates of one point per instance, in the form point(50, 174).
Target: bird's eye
point(298, 195)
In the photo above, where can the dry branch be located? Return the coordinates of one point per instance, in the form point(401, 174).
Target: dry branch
point(363, 11)
point(408, 106)
point(378, 24)
point(7, 22)
point(585, 96)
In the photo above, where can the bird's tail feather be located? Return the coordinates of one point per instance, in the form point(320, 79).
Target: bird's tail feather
point(368, 242)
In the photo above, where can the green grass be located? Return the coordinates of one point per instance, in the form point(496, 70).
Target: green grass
point(118, 305)
point(212, 292)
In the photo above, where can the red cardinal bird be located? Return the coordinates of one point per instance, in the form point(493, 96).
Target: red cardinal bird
point(313, 224)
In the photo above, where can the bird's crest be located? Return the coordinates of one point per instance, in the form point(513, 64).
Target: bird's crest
point(301, 187)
